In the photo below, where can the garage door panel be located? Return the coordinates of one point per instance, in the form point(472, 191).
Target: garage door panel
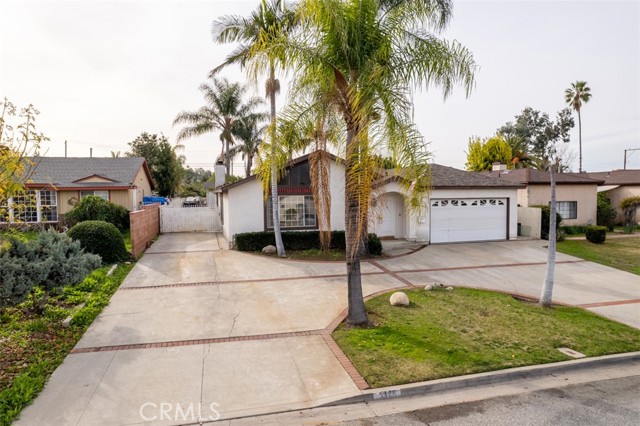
point(457, 220)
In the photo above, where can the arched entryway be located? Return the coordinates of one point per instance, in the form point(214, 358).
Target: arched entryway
point(389, 213)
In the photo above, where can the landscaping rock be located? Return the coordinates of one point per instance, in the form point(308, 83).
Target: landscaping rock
point(269, 249)
point(449, 288)
point(428, 287)
point(399, 299)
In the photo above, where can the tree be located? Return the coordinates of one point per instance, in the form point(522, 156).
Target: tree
point(250, 135)
point(257, 35)
point(575, 96)
point(547, 288)
point(365, 56)
point(484, 152)
point(164, 163)
point(520, 156)
point(18, 142)
point(539, 132)
point(225, 106)
point(629, 207)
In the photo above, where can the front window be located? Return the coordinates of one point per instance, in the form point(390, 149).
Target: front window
point(567, 209)
point(48, 206)
point(30, 206)
point(296, 211)
point(102, 194)
point(25, 206)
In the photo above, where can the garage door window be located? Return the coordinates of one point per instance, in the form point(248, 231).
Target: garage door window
point(568, 209)
point(467, 203)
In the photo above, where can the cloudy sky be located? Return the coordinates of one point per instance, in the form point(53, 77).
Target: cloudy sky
point(102, 72)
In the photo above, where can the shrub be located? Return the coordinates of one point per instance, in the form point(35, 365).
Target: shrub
point(297, 240)
point(96, 208)
point(596, 234)
point(629, 206)
point(545, 219)
point(16, 284)
point(101, 238)
point(574, 229)
point(48, 263)
point(605, 213)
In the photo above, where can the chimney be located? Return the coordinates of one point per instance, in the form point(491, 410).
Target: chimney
point(220, 172)
point(499, 167)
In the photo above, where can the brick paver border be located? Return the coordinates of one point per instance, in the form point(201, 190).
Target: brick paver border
point(613, 303)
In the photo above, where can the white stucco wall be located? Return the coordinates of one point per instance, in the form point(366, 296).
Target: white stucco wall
point(530, 219)
point(243, 209)
point(336, 182)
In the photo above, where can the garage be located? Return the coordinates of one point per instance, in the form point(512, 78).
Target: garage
point(468, 219)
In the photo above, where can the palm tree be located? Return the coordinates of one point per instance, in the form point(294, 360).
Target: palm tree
point(521, 156)
point(225, 106)
point(366, 56)
point(271, 21)
point(250, 136)
point(575, 96)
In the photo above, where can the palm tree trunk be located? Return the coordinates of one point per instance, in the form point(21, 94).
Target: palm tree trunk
point(580, 140)
point(227, 160)
point(249, 166)
point(275, 205)
point(547, 289)
point(357, 315)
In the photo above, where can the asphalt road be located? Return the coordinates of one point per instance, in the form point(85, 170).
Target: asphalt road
point(614, 402)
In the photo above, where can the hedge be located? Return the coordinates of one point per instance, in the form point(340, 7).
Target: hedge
point(545, 219)
point(297, 240)
point(596, 234)
point(96, 208)
point(101, 238)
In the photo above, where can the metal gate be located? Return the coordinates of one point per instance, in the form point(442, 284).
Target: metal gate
point(189, 219)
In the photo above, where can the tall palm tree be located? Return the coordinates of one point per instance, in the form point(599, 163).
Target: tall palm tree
point(547, 287)
point(225, 106)
point(575, 96)
point(271, 21)
point(366, 56)
point(250, 135)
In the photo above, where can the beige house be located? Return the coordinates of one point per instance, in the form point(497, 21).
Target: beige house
point(56, 184)
point(576, 195)
point(618, 185)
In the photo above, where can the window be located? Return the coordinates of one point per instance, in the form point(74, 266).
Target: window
point(567, 209)
point(30, 206)
point(102, 194)
point(296, 211)
point(48, 206)
point(25, 207)
point(4, 210)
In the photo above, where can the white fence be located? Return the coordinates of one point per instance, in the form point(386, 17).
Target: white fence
point(189, 219)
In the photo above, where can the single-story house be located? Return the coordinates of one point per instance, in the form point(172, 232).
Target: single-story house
point(618, 185)
point(56, 184)
point(576, 195)
point(462, 206)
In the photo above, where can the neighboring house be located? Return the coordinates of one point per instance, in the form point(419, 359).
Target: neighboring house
point(618, 185)
point(462, 206)
point(56, 184)
point(576, 195)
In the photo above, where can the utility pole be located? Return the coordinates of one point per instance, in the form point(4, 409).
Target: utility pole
point(65, 149)
point(90, 152)
point(625, 155)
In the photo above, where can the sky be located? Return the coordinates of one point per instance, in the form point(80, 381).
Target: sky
point(102, 72)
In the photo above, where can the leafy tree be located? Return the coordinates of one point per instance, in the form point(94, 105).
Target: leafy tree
point(225, 106)
point(575, 96)
point(96, 208)
point(165, 164)
point(605, 212)
point(359, 59)
point(484, 152)
point(258, 35)
point(539, 132)
point(629, 207)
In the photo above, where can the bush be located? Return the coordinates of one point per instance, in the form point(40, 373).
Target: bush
point(629, 206)
point(596, 234)
point(101, 238)
point(297, 240)
point(574, 229)
point(545, 219)
point(605, 213)
point(96, 208)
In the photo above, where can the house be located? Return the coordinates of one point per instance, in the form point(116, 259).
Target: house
point(618, 185)
point(576, 195)
point(462, 206)
point(56, 184)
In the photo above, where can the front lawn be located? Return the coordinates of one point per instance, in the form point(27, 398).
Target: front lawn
point(620, 253)
point(464, 331)
point(32, 346)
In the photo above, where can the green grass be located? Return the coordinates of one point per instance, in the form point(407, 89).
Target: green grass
point(464, 331)
point(34, 346)
point(620, 253)
point(126, 235)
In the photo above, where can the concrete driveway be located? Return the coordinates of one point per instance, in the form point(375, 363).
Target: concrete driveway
point(197, 332)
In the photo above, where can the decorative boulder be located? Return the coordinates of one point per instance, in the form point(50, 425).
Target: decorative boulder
point(269, 249)
point(428, 287)
point(449, 288)
point(399, 299)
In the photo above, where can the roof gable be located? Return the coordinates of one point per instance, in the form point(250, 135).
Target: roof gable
point(529, 176)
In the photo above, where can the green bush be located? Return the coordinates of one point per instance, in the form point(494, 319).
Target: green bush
point(96, 208)
point(574, 229)
point(629, 207)
point(605, 212)
point(596, 234)
point(297, 240)
point(101, 238)
point(545, 219)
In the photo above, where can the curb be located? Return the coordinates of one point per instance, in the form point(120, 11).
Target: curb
point(481, 379)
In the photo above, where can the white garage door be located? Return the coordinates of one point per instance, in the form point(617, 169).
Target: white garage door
point(459, 220)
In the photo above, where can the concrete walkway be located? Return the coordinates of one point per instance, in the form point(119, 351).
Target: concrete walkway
point(199, 332)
